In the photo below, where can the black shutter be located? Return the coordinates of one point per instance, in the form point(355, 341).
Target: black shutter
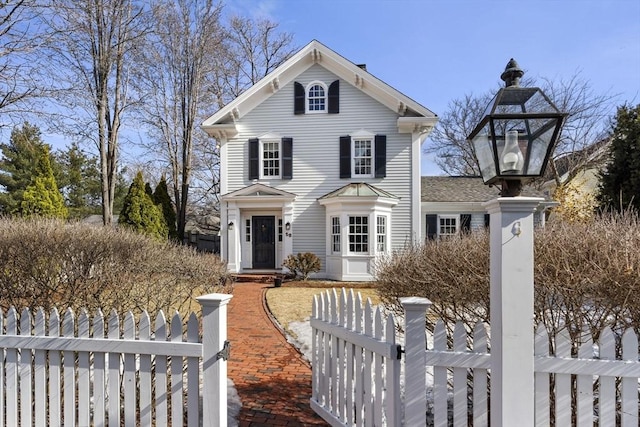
point(345, 157)
point(432, 226)
point(487, 220)
point(334, 97)
point(298, 98)
point(465, 223)
point(254, 159)
point(287, 158)
point(381, 156)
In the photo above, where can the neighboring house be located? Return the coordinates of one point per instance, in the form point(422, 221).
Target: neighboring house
point(579, 173)
point(454, 204)
point(319, 156)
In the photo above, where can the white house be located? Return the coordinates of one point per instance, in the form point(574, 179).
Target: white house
point(455, 204)
point(319, 156)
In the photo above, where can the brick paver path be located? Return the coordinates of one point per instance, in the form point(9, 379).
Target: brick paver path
point(271, 377)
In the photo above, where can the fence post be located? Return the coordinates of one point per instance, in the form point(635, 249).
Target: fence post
point(512, 325)
point(214, 371)
point(415, 363)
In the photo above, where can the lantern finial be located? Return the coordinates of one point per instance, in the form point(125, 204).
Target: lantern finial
point(512, 74)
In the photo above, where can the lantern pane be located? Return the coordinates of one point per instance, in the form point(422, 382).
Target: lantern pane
point(484, 155)
point(538, 148)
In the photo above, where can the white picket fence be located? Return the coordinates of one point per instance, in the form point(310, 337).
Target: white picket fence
point(357, 375)
point(355, 369)
point(103, 372)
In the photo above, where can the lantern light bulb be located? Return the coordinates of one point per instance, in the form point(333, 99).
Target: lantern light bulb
point(512, 159)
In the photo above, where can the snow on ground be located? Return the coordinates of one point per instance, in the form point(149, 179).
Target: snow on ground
point(233, 404)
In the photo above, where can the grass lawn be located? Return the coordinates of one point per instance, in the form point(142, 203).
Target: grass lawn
point(292, 302)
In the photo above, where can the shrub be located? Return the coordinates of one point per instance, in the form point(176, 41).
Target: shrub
point(586, 276)
point(51, 263)
point(302, 264)
point(139, 211)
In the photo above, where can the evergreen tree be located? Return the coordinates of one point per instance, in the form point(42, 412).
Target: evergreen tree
point(80, 182)
point(163, 200)
point(20, 157)
point(42, 196)
point(140, 213)
point(620, 181)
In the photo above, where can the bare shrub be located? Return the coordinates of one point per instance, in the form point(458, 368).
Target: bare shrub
point(46, 263)
point(587, 276)
point(302, 264)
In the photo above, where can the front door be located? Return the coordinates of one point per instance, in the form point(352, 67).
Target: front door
point(264, 242)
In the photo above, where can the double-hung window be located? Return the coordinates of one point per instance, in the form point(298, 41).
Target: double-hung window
point(363, 154)
point(335, 235)
point(359, 234)
point(270, 156)
point(362, 157)
point(381, 234)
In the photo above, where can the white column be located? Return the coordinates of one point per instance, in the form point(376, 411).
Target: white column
point(512, 327)
point(233, 237)
point(287, 240)
point(214, 369)
point(415, 347)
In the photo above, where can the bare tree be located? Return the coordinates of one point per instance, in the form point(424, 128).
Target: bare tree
point(21, 37)
point(586, 125)
point(252, 49)
point(193, 65)
point(180, 55)
point(94, 43)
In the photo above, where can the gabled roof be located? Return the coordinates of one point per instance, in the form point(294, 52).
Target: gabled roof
point(259, 191)
point(358, 189)
point(413, 116)
point(463, 189)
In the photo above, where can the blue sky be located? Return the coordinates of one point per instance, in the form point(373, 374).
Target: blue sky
point(435, 51)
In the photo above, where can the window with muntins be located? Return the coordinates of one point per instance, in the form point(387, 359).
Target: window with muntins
point(270, 159)
point(335, 234)
point(362, 157)
point(316, 98)
point(448, 225)
point(280, 230)
point(247, 230)
point(381, 234)
point(359, 234)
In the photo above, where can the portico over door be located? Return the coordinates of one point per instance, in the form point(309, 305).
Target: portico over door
point(264, 242)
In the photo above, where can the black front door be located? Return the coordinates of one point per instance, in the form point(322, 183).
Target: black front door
point(264, 241)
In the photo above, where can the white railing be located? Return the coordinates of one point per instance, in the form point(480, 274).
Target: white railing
point(105, 372)
point(604, 384)
point(355, 362)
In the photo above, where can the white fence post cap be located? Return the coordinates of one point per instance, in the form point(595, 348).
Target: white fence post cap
point(415, 303)
point(214, 299)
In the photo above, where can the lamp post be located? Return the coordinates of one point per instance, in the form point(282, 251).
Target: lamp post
point(513, 143)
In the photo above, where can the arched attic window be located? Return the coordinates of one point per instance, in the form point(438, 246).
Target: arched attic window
point(316, 97)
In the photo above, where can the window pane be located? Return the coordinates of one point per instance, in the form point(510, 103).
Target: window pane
point(316, 98)
point(447, 226)
point(362, 157)
point(359, 234)
point(381, 233)
point(271, 159)
point(335, 234)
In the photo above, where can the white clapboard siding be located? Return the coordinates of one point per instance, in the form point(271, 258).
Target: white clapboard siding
point(351, 356)
point(355, 363)
point(78, 372)
point(316, 156)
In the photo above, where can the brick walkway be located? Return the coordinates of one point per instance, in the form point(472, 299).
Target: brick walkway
point(271, 377)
